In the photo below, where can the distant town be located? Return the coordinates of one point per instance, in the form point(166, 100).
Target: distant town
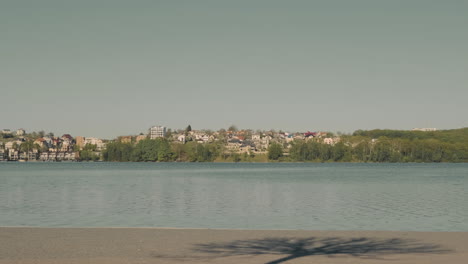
point(160, 143)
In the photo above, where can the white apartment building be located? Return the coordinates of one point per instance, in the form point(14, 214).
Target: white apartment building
point(157, 131)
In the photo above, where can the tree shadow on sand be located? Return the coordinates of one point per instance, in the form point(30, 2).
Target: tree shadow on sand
point(333, 246)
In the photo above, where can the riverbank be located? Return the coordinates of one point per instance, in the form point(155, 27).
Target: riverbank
point(157, 245)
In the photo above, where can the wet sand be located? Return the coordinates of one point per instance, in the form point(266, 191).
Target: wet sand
point(154, 245)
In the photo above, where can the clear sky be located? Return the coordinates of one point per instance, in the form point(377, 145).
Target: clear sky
point(108, 68)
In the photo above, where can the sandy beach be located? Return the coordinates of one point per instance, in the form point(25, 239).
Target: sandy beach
point(155, 245)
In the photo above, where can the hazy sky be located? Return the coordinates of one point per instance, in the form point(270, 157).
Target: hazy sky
point(109, 68)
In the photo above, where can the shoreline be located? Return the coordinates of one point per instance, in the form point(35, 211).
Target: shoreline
point(39, 245)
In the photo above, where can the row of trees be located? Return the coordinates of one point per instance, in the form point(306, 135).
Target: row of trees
point(161, 150)
point(384, 149)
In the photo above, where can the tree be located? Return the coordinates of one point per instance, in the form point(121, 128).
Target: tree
point(27, 146)
point(169, 134)
point(275, 151)
point(188, 129)
point(232, 128)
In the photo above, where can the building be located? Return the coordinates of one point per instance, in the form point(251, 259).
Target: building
point(125, 139)
point(6, 131)
point(13, 144)
point(181, 138)
point(20, 132)
point(424, 129)
point(13, 155)
point(157, 132)
point(80, 141)
point(140, 138)
point(100, 145)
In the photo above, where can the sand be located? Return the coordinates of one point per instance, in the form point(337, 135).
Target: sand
point(154, 245)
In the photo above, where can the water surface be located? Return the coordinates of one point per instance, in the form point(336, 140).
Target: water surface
point(334, 196)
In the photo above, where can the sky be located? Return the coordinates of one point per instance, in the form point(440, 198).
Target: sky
point(108, 68)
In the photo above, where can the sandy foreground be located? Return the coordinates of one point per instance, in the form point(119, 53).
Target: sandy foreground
point(154, 245)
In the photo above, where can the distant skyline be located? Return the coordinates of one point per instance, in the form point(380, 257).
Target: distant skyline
point(109, 68)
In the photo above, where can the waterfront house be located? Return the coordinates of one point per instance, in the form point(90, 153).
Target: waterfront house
point(33, 155)
point(44, 156)
point(70, 156)
point(13, 155)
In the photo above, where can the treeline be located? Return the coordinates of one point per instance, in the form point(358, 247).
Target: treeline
point(161, 150)
point(381, 150)
point(387, 146)
point(451, 135)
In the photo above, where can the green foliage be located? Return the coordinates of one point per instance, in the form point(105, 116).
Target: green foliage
point(275, 151)
point(7, 135)
point(117, 151)
point(193, 151)
point(359, 148)
point(88, 155)
point(27, 146)
point(90, 147)
point(451, 136)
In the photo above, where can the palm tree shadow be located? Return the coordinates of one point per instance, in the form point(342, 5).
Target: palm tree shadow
point(333, 246)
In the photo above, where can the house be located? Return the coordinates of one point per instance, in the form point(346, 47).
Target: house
point(60, 156)
point(331, 141)
point(20, 132)
point(44, 156)
point(247, 147)
point(261, 142)
point(67, 143)
point(181, 138)
point(48, 142)
point(310, 134)
point(12, 144)
point(100, 145)
point(70, 156)
point(13, 155)
point(66, 146)
point(233, 145)
point(6, 131)
point(256, 137)
point(23, 155)
point(125, 139)
point(140, 138)
point(33, 155)
point(41, 142)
